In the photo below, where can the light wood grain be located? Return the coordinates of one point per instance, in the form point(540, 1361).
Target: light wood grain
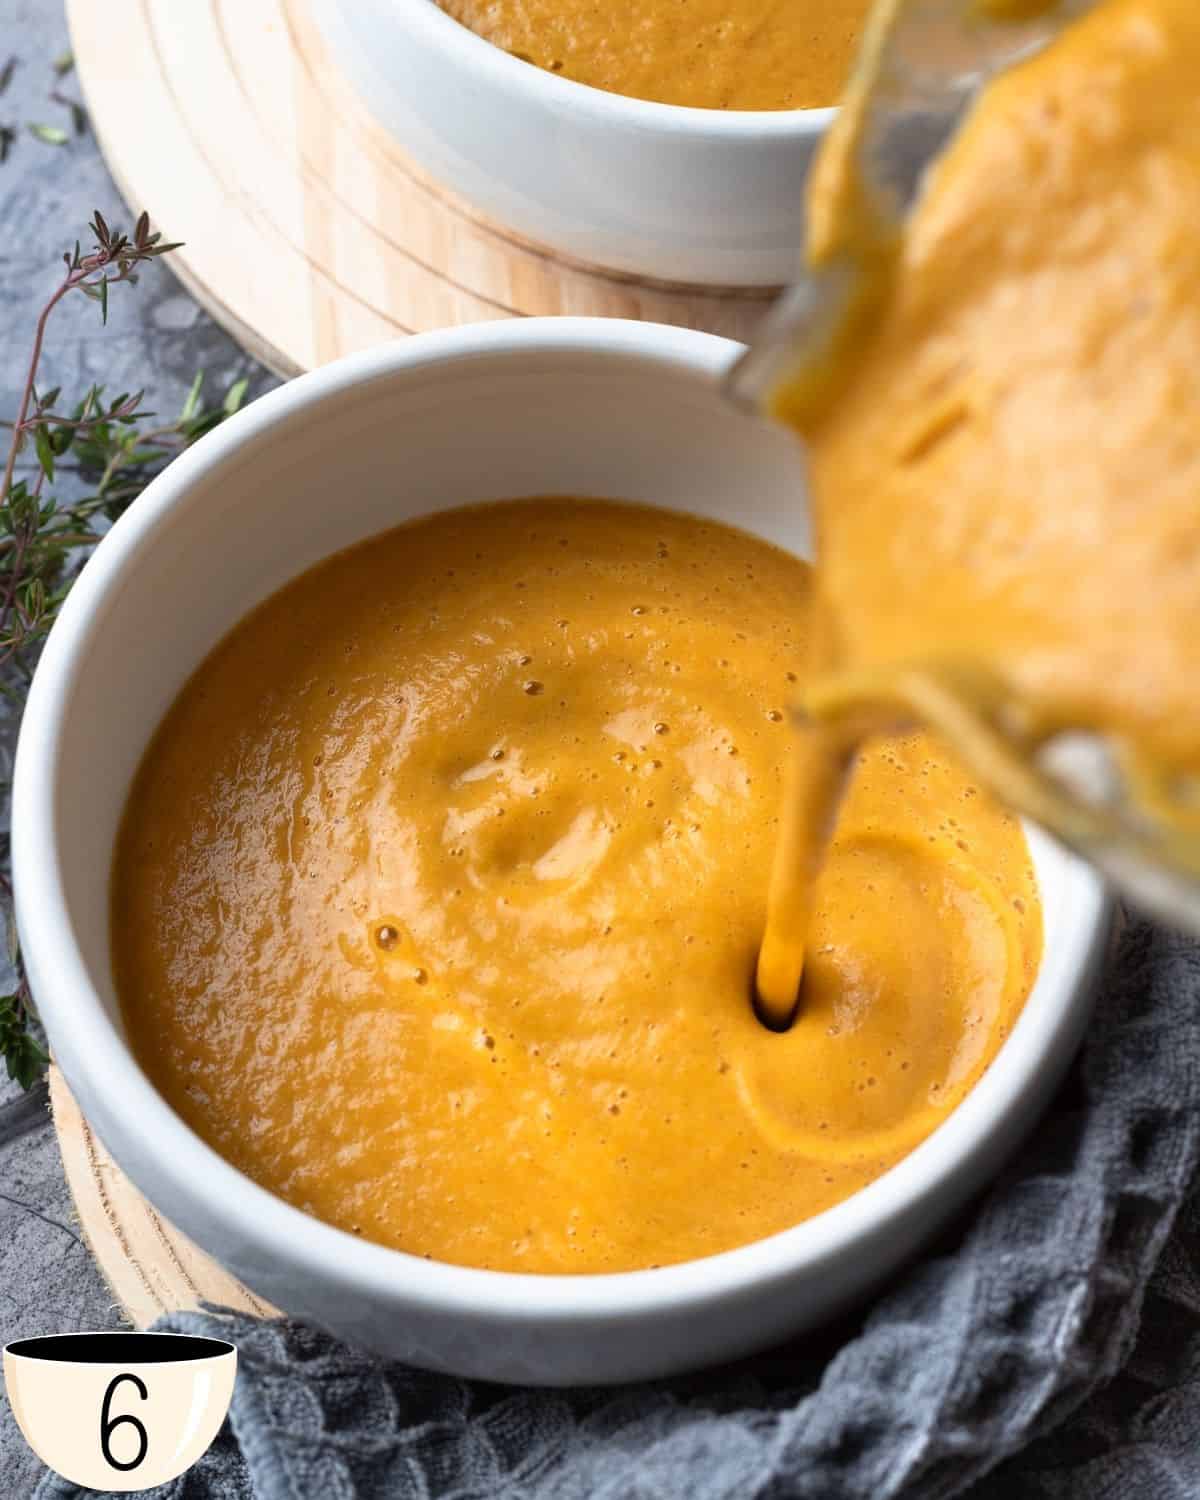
point(309, 233)
point(150, 1266)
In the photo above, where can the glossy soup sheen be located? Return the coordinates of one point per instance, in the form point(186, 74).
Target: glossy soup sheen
point(439, 891)
point(1007, 455)
point(710, 54)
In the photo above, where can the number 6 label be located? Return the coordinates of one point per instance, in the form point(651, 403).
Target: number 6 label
point(109, 1424)
point(120, 1411)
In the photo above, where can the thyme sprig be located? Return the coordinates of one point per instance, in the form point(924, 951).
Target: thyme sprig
point(115, 447)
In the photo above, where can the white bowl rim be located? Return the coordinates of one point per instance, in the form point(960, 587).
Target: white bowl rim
point(87, 1035)
point(11, 1350)
point(493, 67)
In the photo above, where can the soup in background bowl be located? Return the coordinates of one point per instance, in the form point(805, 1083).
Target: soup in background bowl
point(707, 54)
point(706, 197)
point(582, 408)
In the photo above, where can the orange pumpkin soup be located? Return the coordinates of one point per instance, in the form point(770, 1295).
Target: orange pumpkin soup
point(1008, 459)
point(438, 894)
point(1001, 445)
point(710, 54)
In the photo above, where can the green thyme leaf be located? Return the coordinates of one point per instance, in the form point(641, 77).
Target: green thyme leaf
point(24, 1058)
point(192, 404)
point(45, 452)
point(49, 135)
point(235, 396)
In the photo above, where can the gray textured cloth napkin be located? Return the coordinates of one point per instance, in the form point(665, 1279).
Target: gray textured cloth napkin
point(1049, 1348)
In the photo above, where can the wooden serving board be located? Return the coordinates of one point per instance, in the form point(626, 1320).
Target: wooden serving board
point(150, 1266)
point(309, 233)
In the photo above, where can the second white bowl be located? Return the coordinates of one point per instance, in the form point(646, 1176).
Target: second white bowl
point(703, 196)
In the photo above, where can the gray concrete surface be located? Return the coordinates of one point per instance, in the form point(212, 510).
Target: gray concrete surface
point(157, 338)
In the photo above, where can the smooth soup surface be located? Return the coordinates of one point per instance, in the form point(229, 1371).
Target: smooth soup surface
point(439, 890)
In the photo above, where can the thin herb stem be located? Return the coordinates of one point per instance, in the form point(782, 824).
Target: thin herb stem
point(39, 340)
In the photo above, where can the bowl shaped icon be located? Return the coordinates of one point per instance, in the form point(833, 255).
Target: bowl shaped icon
point(120, 1411)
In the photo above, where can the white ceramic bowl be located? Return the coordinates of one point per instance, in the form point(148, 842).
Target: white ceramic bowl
point(591, 407)
point(703, 196)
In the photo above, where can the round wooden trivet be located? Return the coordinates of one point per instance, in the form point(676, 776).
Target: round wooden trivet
point(150, 1266)
point(309, 233)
